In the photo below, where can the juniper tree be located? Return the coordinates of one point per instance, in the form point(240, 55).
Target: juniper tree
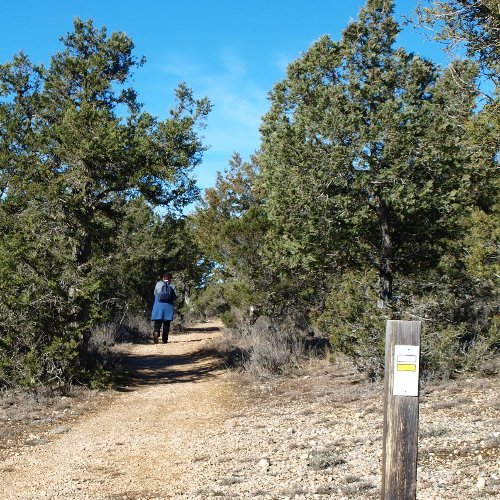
point(361, 158)
point(229, 225)
point(75, 147)
point(473, 28)
point(473, 24)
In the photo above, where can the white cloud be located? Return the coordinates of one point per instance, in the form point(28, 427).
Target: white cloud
point(238, 105)
point(180, 66)
point(233, 63)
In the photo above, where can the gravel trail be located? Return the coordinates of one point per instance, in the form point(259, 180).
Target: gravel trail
point(185, 428)
point(140, 441)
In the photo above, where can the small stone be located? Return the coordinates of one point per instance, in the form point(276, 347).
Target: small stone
point(481, 483)
point(59, 430)
point(264, 463)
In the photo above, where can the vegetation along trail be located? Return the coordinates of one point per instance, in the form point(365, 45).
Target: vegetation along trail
point(138, 444)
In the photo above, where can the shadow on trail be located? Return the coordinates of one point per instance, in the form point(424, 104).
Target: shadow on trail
point(201, 329)
point(165, 368)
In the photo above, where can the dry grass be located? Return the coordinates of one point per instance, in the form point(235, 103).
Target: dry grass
point(357, 488)
point(433, 431)
point(229, 481)
point(268, 349)
point(295, 491)
point(444, 405)
point(320, 460)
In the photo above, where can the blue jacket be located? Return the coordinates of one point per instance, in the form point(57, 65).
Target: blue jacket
point(161, 310)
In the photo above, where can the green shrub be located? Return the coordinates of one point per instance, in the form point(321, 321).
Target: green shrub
point(440, 352)
point(209, 302)
point(353, 322)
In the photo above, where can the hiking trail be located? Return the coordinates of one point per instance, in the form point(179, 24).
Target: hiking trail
point(141, 440)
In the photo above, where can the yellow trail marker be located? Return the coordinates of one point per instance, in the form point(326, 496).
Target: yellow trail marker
point(406, 368)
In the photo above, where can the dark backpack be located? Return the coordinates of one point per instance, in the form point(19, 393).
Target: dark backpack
point(167, 294)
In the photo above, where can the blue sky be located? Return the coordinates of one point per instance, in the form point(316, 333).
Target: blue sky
point(233, 52)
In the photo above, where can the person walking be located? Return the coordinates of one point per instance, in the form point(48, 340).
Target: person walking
point(163, 307)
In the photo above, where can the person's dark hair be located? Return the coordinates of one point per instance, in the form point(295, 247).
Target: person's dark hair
point(166, 275)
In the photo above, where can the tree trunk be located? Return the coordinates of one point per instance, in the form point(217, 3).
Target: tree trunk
point(386, 255)
point(82, 255)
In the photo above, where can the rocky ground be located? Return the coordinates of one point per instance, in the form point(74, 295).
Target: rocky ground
point(184, 427)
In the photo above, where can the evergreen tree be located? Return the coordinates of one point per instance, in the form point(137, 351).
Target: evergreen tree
point(472, 268)
point(75, 149)
point(229, 225)
point(361, 156)
point(474, 24)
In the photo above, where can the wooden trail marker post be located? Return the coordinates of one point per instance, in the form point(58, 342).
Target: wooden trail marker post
point(399, 460)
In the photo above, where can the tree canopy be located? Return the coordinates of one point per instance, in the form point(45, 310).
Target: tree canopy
point(376, 185)
point(77, 153)
point(361, 159)
point(473, 24)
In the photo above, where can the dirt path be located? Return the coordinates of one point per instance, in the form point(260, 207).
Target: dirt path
point(137, 445)
point(185, 429)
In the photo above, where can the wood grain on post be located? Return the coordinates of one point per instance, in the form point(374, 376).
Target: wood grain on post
point(399, 460)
